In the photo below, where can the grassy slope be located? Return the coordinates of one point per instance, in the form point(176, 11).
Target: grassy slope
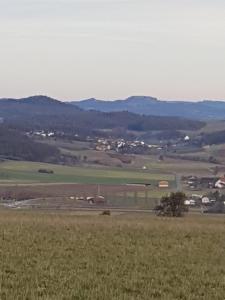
point(48, 256)
point(28, 171)
point(212, 126)
point(138, 161)
point(169, 165)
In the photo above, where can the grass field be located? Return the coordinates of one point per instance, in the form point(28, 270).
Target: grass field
point(17, 171)
point(122, 257)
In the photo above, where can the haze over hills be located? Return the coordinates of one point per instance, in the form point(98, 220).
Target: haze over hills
point(204, 110)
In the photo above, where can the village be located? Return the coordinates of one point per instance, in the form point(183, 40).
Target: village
point(139, 146)
point(120, 145)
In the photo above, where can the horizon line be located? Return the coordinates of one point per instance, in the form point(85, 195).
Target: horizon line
point(112, 100)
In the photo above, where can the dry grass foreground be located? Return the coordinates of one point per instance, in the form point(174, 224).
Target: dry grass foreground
point(63, 256)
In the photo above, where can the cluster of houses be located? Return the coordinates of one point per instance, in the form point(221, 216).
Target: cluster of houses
point(210, 203)
point(123, 146)
point(56, 134)
point(194, 182)
point(103, 145)
point(41, 133)
point(137, 146)
point(198, 200)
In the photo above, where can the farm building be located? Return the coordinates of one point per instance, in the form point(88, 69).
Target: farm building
point(163, 184)
point(220, 183)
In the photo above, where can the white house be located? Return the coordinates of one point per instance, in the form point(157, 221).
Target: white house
point(220, 183)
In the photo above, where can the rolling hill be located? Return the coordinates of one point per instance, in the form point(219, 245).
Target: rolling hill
point(203, 110)
point(41, 112)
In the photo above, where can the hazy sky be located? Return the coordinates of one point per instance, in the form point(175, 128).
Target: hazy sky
point(73, 49)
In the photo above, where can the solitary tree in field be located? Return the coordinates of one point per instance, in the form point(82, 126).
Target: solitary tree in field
point(172, 205)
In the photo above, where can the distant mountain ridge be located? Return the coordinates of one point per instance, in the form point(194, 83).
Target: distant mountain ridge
point(204, 110)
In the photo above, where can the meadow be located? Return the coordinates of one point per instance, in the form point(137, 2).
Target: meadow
point(121, 257)
point(22, 171)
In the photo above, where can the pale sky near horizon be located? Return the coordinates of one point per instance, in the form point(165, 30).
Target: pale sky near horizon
point(111, 49)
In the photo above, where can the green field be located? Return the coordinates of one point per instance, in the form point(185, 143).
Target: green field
point(16, 171)
point(122, 257)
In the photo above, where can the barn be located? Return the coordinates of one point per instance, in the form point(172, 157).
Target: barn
point(163, 184)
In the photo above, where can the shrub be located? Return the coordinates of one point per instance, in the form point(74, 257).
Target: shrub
point(106, 213)
point(45, 171)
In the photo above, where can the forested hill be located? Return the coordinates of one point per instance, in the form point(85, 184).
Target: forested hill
point(41, 112)
point(202, 110)
point(15, 145)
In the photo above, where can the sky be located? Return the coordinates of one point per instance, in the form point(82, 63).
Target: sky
point(112, 49)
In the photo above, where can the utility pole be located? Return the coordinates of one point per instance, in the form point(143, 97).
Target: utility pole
point(178, 183)
point(98, 193)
